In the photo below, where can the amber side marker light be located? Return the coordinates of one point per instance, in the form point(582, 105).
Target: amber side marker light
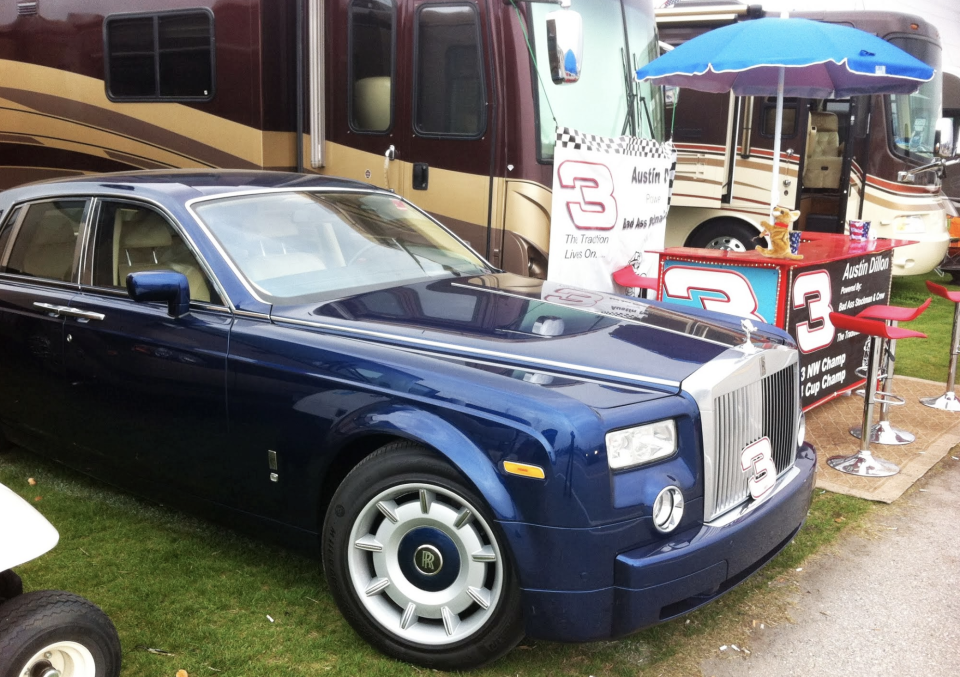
point(524, 470)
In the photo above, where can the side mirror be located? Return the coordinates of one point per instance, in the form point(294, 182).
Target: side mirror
point(946, 147)
point(565, 45)
point(161, 285)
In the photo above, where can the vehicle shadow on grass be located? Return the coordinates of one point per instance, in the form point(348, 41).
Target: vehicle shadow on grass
point(188, 593)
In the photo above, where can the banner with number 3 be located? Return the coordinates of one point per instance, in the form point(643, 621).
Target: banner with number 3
point(610, 202)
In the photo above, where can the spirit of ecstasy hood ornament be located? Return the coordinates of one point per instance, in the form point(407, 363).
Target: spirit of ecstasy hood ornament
point(748, 329)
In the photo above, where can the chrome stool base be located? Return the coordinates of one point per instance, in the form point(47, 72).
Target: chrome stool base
point(885, 433)
point(946, 402)
point(863, 464)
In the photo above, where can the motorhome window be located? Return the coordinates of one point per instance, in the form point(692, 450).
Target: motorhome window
point(372, 36)
point(166, 56)
point(913, 117)
point(791, 105)
point(450, 98)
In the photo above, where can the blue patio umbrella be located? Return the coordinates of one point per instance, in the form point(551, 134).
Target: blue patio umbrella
point(788, 57)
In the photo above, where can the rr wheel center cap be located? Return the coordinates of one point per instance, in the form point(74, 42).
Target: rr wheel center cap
point(428, 560)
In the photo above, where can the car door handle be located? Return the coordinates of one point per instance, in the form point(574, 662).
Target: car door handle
point(67, 311)
point(81, 314)
point(48, 307)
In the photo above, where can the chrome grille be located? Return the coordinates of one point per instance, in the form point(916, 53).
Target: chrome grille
point(768, 407)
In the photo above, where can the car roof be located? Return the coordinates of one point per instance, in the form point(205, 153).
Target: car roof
point(180, 185)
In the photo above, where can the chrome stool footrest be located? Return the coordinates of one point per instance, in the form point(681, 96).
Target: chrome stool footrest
point(946, 402)
point(863, 464)
point(885, 433)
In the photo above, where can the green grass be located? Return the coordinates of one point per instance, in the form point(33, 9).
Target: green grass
point(924, 358)
point(177, 583)
point(173, 582)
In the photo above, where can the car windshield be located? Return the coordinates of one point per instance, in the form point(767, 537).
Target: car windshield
point(296, 247)
point(618, 38)
point(913, 117)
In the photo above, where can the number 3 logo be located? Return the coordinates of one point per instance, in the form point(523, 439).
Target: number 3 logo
point(595, 207)
point(759, 456)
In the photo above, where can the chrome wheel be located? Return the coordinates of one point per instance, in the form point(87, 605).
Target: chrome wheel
point(425, 564)
point(61, 659)
point(727, 242)
point(726, 233)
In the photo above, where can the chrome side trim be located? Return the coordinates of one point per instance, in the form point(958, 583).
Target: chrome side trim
point(490, 363)
point(464, 352)
point(251, 315)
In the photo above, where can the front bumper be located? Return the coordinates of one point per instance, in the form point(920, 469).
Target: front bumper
point(655, 583)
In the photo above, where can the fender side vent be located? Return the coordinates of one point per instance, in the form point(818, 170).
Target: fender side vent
point(27, 8)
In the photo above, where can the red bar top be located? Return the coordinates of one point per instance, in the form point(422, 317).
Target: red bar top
point(815, 247)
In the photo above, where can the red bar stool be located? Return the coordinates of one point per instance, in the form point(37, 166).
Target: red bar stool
point(884, 432)
point(626, 277)
point(863, 463)
point(948, 401)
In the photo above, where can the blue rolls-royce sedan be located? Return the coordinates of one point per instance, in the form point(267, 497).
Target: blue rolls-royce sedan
point(478, 455)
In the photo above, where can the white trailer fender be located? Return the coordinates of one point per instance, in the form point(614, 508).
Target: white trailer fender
point(25, 534)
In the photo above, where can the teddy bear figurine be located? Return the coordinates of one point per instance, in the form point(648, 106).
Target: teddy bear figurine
point(779, 234)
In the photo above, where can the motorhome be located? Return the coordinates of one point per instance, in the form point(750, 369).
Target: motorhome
point(453, 104)
point(870, 158)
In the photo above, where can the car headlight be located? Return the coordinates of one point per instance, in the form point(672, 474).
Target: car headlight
point(801, 429)
point(643, 444)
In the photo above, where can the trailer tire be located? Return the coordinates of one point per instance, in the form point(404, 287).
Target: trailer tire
point(50, 629)
point(728, 234)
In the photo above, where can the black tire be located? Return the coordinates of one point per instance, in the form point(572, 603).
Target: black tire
point(410, 478)
point(60, 621)
point(726, 234)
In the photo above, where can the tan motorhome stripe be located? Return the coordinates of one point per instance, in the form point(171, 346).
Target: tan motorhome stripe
point(100, 118)
point(171, 126)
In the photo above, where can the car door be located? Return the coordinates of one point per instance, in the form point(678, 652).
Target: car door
point(151, 387)
point(451, 132)
point(39, 252)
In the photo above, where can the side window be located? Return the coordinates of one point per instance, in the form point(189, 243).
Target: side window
point(449, 91)
point(166, 56)
point(47, 240)
point(371, 67)
point(131, 239)
point(768, 127)
point(7, 229)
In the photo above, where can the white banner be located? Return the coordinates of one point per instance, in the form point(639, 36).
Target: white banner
point(610, 202)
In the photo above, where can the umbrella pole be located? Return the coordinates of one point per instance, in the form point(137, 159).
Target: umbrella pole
point(778, 130)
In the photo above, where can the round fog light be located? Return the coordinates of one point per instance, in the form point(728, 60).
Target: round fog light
point(668, 509)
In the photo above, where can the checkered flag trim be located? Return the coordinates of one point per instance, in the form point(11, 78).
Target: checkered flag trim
point(624, 145)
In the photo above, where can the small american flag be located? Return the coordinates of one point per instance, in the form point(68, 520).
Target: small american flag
point(859, 230)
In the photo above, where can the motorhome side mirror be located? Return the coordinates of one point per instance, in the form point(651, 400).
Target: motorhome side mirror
point(565, 45)
point(947, 146)
point(161, 285)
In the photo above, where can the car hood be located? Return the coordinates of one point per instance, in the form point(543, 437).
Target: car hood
point(537, 325)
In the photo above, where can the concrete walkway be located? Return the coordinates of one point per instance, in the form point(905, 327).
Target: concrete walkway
point(884, 604)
